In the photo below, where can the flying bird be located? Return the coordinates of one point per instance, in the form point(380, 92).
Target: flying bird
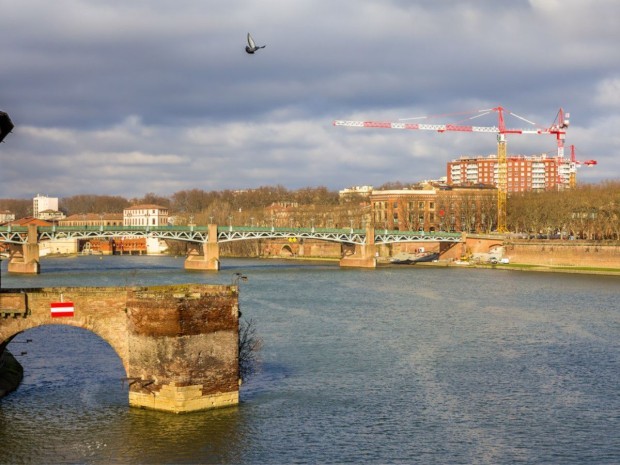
point(251, 47)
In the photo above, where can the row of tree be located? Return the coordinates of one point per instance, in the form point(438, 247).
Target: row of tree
point(189, 202)
point(591, 211)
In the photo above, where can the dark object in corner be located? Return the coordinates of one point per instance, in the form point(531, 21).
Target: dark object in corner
point(6, 125)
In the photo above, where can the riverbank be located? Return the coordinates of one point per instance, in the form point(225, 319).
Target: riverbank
point(11, 373)
point(542, 257)
point(527, 267)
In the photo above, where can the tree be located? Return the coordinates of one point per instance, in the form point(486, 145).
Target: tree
point(249, 347)
point(152, 199)
point(19, 207)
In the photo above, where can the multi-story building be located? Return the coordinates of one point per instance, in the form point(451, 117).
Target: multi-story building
point(42, 203)
point(145, 215)
point(523, 173)
point(404, 209)
point(471, 209)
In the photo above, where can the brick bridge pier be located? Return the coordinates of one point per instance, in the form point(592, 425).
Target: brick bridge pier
point(178, 344)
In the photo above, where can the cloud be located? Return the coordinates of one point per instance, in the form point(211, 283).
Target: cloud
point(127, 98)
point(608, 92)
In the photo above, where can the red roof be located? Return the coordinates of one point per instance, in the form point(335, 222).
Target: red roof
point(30, 220)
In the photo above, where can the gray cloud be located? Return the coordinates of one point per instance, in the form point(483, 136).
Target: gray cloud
point(124, 98)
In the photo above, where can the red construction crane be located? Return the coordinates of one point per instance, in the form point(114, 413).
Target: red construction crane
point(558, 128)
point(574, 164)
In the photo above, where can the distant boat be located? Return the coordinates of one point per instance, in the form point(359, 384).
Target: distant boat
point(404, 258)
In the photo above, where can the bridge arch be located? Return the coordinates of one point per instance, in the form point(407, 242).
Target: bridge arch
point(24, 329)
point(76, 360)
point(286, 251)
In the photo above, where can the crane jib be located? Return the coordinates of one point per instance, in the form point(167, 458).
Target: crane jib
point(435, 127)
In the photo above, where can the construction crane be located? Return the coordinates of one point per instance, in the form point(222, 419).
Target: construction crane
point(574, 164)
point(558, 128)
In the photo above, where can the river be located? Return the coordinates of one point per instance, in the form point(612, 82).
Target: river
point(402, 364)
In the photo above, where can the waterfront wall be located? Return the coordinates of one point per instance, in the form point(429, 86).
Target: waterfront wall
point(569, 253)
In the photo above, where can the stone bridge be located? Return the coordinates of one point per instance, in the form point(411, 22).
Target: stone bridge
point(179, 344)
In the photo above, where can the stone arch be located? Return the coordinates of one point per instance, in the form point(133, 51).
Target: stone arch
point(494, 246)
point(10, 331)
point(286, 251)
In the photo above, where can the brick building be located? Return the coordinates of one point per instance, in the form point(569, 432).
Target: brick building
point(471, 209)
point(523, 173)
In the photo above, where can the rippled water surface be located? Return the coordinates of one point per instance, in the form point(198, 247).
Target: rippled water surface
point(395, 365)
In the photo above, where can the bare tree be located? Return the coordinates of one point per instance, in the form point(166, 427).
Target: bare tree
point(249, 347)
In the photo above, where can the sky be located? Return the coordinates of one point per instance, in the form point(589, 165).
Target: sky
point(115, 97)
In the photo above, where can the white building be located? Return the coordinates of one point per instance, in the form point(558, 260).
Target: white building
point(51, 215)
point(42, 203)
point(363, 191)
point(145, 215)
point(6, 216)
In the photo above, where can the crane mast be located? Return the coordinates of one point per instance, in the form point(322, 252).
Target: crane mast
point(558, 129)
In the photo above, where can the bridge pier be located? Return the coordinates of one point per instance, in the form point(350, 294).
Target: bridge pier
point(25, 258)
point(207, 259)
point(365, 255)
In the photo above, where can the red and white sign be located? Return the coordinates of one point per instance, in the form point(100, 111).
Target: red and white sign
point(60, 309)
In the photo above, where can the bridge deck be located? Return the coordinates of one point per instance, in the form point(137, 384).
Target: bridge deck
point(200, 234)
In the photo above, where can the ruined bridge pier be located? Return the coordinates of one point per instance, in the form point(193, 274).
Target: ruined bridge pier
point(178, 344)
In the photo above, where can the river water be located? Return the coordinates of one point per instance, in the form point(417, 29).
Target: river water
point(403, 364)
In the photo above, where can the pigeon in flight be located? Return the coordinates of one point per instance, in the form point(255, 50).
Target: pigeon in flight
point(251, 47)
